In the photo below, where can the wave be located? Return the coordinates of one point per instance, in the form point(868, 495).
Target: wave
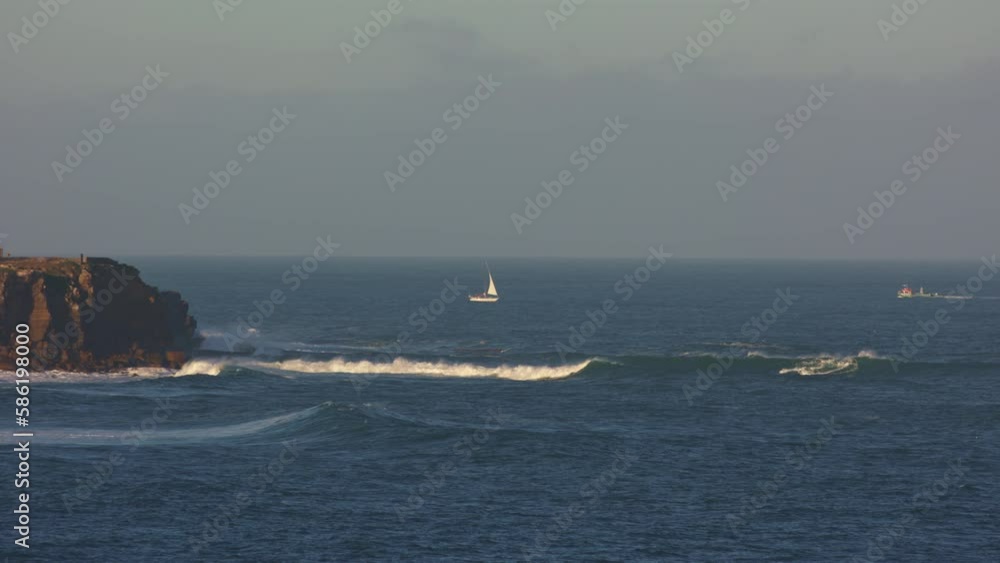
point(531, 368)
point(865, 361)
point(834, 364)
point(230, 342)
point(201, 367)
point(540, 366)
point(117, 375)
point(871, 355)
point(829, 365)
point(311, 420)
point(214, 340)
point(399, 366)
point(326, 421)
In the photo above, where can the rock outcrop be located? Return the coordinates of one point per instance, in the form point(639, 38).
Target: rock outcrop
point(91, 315)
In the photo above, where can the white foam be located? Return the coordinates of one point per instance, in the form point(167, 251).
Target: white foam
point(213, 339)
point(201, 367)
point(221, 340)
point(399, 366)
point(121, 374)
point(871, 355)
point(826, 365)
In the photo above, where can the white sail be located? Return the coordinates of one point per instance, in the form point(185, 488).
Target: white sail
point(492, 289)
point(491, 295)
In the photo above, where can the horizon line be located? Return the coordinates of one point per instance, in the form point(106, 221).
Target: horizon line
point(522, 257)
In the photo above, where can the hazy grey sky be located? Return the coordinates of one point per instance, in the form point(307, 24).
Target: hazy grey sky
point(324, 173)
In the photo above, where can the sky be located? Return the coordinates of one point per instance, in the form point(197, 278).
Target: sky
point(210, 77)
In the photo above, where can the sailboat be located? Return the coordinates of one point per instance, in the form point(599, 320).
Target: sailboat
point(490, 295)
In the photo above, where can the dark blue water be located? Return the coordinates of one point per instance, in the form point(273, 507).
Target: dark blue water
point(707, 418)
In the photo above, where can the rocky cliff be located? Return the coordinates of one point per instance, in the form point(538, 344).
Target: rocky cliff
point(93, 315)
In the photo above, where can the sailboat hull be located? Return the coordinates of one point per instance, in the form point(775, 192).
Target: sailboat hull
point(490, 295)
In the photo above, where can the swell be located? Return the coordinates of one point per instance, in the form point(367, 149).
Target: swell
point(324, 420)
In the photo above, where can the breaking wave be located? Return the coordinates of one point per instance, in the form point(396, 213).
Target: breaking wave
point(833, 365)
point(540, 367)
point(201, 367)
point(829, 365)
point(399, 366)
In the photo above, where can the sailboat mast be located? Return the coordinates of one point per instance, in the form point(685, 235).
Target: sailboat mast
point(490, 295)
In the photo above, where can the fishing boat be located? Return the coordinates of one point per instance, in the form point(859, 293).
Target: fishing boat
point(907, 293)
point(490, 295)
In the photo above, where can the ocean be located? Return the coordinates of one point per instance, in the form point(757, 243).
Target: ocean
point(655, 409)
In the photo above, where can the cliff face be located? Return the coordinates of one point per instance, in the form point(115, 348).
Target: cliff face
point(94, 316)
